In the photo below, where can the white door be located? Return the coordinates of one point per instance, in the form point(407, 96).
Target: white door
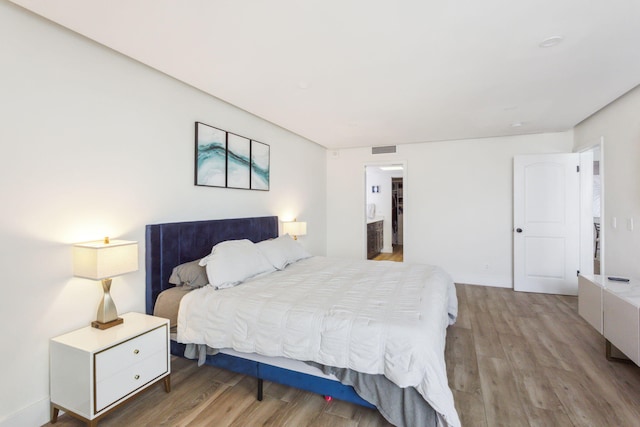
point(546, 231)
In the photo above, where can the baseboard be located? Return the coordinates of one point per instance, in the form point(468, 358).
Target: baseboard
point(35, 414)
point(483, 280)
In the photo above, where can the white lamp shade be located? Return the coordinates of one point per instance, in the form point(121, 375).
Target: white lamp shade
point(98, 260)
point(295, 228)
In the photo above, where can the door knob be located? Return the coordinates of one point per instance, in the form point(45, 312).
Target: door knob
point(518, 230)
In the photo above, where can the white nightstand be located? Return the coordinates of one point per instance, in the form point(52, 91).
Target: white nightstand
point(92, 371)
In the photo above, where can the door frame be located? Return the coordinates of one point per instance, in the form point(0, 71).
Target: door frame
point(590, 146)
point(586, 230)
point(405, 181)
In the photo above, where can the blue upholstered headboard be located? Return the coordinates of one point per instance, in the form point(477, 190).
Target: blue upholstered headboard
point(171, 244)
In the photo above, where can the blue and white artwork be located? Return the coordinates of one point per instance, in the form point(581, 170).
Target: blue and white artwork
point(238, 158)
point(211, 156)
point(259, 166)
point(224, 159)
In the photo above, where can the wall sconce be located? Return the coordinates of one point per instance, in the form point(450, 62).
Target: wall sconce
point(375, 189)
point(102, 260)
point(294, 228)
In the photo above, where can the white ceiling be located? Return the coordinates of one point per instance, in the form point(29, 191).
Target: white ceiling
point(348, 73)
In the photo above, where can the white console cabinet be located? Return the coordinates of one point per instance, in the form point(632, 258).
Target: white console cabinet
point(93, 370)
point(613, 309)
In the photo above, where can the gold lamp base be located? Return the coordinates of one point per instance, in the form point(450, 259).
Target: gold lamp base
point(107, 325)
point(107, 313)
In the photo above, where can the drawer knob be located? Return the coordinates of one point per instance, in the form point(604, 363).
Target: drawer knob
point(137, 377)
point(136, 351)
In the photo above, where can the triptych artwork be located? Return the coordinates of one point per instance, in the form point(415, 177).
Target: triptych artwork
point(224, 159)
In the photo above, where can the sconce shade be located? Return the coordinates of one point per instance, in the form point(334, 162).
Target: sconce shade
point(98, 260)
point(295, 228)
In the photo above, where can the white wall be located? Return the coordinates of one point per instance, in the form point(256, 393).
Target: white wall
point(619, 125)
point(95, 144)
point(458, 201)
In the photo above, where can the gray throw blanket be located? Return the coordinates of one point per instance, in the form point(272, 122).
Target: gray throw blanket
point(402, 407)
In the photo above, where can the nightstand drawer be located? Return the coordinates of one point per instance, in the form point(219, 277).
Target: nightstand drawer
point(123, 356)
point(132, 377)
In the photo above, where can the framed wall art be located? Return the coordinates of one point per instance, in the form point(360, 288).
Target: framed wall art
point(260, 166)
point(238, 161)
point(224, 159)
point(211, 156)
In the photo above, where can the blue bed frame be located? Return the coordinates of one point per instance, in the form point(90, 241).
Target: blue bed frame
point(171, 244)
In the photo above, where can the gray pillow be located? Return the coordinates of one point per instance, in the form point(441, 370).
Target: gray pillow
point(189, 274)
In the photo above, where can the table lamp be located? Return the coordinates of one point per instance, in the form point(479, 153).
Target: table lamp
point(102, 260)
point(294, 228)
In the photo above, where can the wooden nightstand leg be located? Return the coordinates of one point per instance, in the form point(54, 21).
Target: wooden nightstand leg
point(54, 414)
point(167, 383)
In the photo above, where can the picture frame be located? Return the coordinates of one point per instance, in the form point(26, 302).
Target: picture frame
point(260, 166)
point(210, 156)
point(228, 160)
point(238, 161)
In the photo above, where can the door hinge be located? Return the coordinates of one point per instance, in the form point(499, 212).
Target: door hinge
point(578, 168)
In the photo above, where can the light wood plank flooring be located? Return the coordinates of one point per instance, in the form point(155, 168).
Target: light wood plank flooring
point(396, 255)
point(513, 359)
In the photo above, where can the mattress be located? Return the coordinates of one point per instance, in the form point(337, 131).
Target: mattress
point(167, 306)
point(378, 318)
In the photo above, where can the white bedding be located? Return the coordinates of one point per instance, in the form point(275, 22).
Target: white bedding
point(373, 317)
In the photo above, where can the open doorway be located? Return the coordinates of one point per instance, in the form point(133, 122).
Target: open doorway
point(597, 210)
point(384, 210)
point(592, 235)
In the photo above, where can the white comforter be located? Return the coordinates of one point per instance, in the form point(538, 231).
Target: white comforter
point(373, 317)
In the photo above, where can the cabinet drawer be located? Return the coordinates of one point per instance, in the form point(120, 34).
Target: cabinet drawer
point(133, 377)
point(128, 353)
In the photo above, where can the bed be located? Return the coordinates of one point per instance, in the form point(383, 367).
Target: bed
point(171, 244)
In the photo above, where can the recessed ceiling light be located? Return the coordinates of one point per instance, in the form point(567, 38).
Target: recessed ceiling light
point(516, 124)
point(551, 41)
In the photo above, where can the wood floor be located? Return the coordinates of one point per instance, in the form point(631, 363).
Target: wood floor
point(396, 255)
point(513, 359)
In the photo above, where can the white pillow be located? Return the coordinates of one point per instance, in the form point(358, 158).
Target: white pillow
point(282, 251)
point(234, 261)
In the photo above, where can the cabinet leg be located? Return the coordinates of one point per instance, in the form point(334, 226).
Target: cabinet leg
point(610, 357)
point(167, 383)
point(54, 414)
